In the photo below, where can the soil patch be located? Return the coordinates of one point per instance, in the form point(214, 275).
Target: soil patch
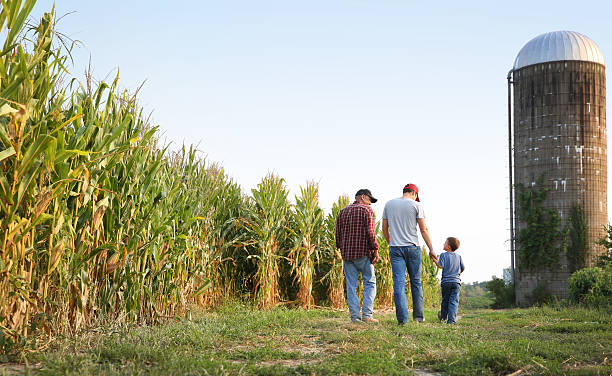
point(17, 368)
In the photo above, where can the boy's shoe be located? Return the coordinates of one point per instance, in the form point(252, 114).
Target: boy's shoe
point(370, 320)
point(356, 321)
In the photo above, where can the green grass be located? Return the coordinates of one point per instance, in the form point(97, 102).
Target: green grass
point(238, 340)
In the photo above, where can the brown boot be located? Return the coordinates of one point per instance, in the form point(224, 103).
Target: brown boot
point(370, 320)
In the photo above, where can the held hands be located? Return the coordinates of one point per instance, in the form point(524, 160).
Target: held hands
point(432, 255)
point(434, 258)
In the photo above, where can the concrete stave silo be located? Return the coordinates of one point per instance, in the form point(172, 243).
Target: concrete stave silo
point(559, 135)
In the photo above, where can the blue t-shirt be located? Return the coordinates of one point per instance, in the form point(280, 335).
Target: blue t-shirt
point(452, 265)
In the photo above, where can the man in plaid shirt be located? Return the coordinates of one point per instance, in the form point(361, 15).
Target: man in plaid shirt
point(356, 238)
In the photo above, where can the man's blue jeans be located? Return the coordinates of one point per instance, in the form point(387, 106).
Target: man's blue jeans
point(450, 301)
point(352, 268)
point(403, 258)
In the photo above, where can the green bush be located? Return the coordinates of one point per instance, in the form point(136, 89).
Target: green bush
point(540, 295)
point(592, 286)
point(503, 294)
point(606, 242)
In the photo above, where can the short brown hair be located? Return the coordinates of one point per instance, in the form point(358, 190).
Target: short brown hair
point(453, 243)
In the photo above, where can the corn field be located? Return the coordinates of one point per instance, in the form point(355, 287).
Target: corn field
point(99, 222)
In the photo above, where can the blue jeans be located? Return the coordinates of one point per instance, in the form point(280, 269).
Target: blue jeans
point(450, 301)
point(352, 268)
point(403, 258)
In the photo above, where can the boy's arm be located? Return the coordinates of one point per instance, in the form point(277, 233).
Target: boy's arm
point(462, 266)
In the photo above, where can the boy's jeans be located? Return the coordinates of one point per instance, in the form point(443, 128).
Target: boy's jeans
point(352, 268)
point(450, 301)
point(403, 258)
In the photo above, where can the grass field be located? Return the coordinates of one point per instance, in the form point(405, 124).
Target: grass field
point(238, 340)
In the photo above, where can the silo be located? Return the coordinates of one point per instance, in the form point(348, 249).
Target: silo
point(559, 137)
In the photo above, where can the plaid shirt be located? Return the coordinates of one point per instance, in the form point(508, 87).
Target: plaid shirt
point(355, 232)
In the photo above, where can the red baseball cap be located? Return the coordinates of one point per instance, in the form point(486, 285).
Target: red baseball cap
point(413, 188)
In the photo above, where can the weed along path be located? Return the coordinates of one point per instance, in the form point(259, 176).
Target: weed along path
point(238, 340)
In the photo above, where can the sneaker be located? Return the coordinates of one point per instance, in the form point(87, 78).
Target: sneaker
point(356, 321)
point(370, 320)
point(420, 319)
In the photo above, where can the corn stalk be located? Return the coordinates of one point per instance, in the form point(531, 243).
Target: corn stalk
point(429, 279)
point(267, 234)
point(332, 257)
point(308, 236)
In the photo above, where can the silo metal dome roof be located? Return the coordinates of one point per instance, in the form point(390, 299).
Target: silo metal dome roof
point(558, 46)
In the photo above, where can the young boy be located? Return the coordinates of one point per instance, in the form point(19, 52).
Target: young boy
point(452, 266)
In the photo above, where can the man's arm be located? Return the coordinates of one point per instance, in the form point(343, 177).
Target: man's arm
point(385, 230)
point(338, 235)
point(372, 242)
point(425, 234)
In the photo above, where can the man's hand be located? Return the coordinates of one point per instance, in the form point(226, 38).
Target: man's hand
point(374, 258)
point(433, 256)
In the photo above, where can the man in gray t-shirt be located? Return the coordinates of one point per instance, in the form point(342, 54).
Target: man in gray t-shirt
point(401, 217)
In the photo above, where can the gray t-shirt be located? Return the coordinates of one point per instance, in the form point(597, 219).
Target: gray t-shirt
point(452, 266)
point(401, 214)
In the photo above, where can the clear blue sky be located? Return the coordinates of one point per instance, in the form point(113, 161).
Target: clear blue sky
point(352, 94)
